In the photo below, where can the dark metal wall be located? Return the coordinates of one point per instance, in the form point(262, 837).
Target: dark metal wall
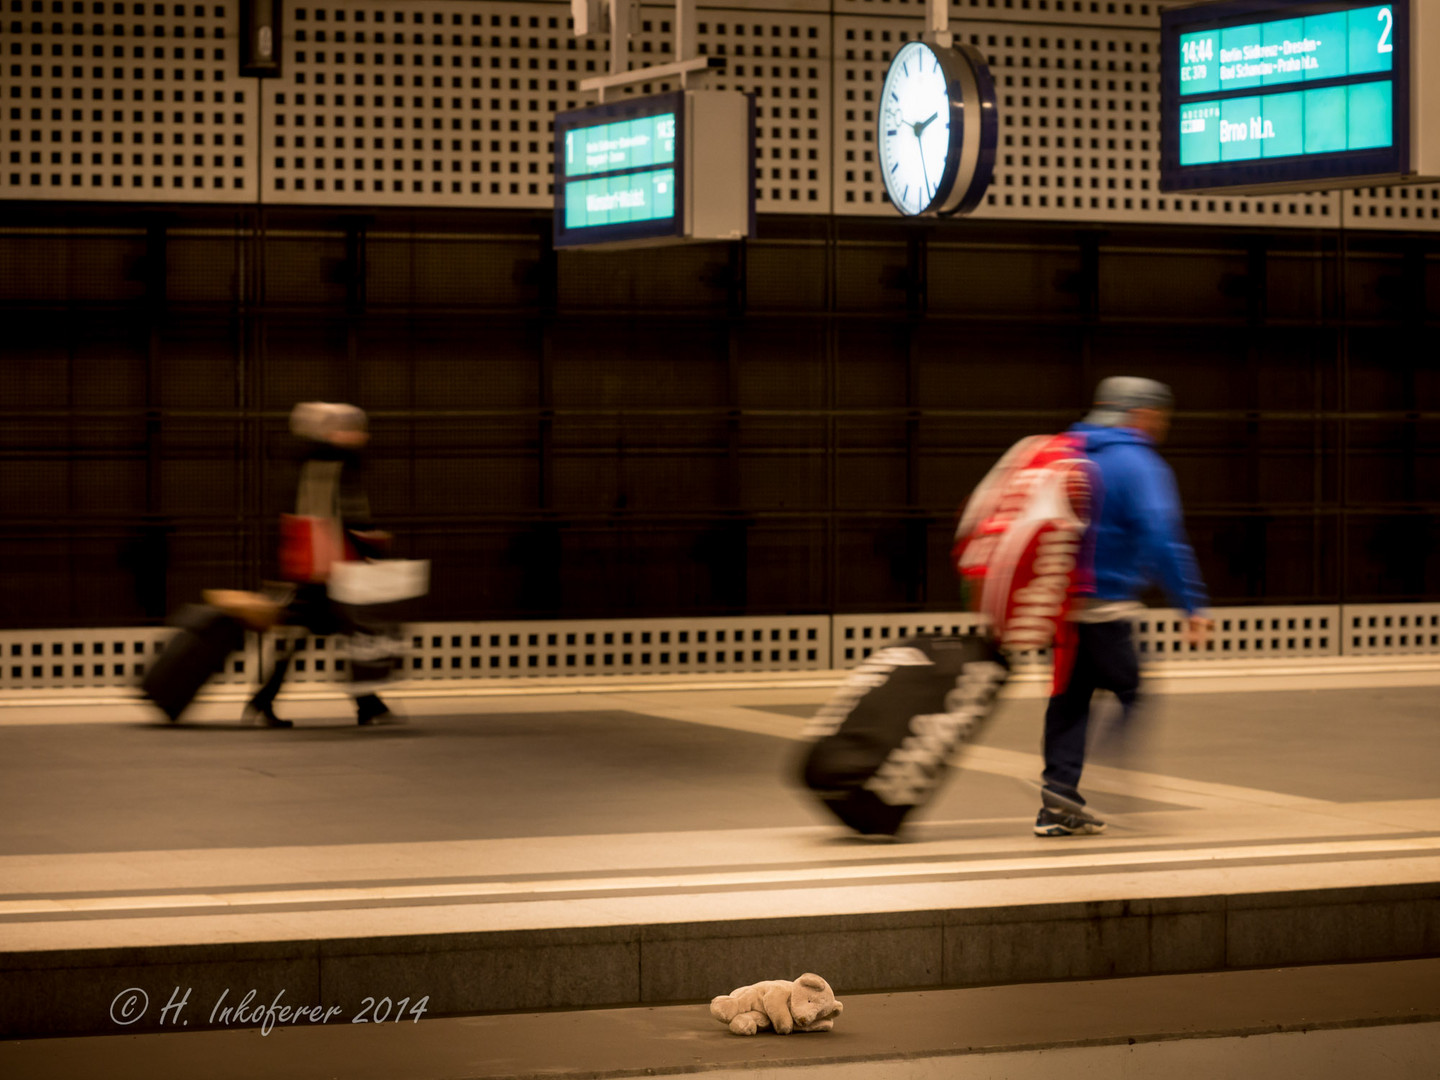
point(784, 426)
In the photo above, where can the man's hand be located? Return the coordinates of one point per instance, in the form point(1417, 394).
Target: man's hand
point(1197, 630)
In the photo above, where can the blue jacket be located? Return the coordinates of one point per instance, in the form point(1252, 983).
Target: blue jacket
point(1139, 536)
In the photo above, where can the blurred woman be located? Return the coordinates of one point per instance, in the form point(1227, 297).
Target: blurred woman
point(331, 521)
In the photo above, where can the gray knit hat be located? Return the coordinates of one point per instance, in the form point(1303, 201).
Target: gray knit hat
point(1117, 395)
point(318, 420)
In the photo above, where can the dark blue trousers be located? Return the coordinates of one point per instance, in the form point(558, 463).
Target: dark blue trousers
point(1105, 659)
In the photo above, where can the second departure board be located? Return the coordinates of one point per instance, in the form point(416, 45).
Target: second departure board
point(1276, 94)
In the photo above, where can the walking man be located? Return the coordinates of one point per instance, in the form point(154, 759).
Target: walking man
point(1139, 539)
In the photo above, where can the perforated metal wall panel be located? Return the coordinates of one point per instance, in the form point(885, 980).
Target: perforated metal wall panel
point(420, 102)
point(1078, 87)
point(450, 102)
point(126, 102)
point(781, 54)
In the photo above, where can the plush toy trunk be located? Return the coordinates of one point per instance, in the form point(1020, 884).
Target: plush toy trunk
point(884, 741)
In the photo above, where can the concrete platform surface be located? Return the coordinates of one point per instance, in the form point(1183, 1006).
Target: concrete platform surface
point(650, 836)
point(939, 1033)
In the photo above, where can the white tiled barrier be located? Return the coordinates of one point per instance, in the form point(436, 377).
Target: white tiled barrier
point(618, 647)
point(37, 659)
point(1254, 633)
point(502, 650)
point(1390, 629)
point(855, 637)
point(1240, 633)
point(41, 659)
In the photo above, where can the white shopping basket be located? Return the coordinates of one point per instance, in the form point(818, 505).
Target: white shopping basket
point(379, 581)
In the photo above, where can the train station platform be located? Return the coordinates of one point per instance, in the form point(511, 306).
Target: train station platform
point(641, 844)
point(1357, 1021)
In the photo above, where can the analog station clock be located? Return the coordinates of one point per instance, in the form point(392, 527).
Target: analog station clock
point(937, 129)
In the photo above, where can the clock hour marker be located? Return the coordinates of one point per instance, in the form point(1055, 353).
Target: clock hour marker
point(889, 131)
point(894, 167)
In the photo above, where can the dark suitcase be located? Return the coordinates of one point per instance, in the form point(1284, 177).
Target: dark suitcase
point(884, 740)
point(205, 639)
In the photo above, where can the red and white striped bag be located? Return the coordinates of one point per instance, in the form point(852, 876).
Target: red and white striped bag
point(1022, 540)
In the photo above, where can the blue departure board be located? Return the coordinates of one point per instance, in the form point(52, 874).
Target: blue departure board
point(620, 145)
point(619, 171)
point(1284, 94)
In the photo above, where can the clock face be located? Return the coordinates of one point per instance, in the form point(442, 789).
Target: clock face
point(914, 133)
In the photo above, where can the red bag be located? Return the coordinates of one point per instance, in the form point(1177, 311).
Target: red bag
point(1021, 542)
point(308, 545)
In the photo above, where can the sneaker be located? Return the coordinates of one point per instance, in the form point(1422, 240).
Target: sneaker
point(1064, 804)
point(1058, 823)
point(371, 710)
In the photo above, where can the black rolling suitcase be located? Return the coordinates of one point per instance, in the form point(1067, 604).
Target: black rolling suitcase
point(883, 742)
point(205, 638)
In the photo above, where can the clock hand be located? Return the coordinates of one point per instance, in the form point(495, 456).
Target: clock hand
point(920, 127)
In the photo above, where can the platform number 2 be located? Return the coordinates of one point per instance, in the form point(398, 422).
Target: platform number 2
point(1386, 16)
